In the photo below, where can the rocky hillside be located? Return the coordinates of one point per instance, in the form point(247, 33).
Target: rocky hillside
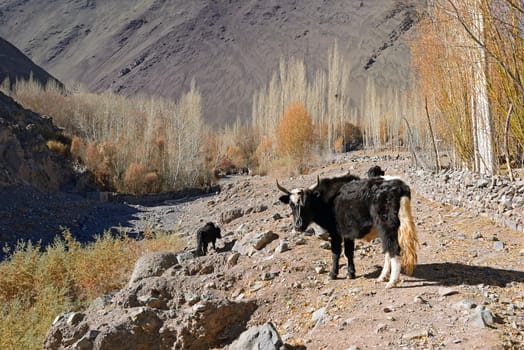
point(229, 47)
point(25, 157)
point(17, 66)
point(267, 287)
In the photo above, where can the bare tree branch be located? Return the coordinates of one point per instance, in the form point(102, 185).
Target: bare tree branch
point(483, 46)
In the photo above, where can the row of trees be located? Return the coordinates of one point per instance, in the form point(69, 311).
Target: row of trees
point(146, 144)
point(469, 59)
point(140, 144)
point(469, 63)
point(381, 119)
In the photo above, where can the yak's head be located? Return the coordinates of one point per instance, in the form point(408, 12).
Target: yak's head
point(213, 229)
point(375, 171)
point(301, 202)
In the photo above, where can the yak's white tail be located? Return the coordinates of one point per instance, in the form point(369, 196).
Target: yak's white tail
point(407, 236)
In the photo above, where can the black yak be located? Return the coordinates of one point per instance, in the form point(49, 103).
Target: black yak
point(205, 235)
point(350, 208)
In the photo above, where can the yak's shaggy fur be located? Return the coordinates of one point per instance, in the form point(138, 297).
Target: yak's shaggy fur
point(350, 208)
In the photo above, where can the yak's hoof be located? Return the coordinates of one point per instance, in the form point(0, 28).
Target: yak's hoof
point(351, 275)
point(391, 284)
point(382, 279)
point(333, 276)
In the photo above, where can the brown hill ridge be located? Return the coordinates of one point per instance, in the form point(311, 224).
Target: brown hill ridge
point(230, 48)
point(25, 158)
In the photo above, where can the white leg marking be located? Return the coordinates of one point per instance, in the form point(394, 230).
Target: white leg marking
point(385, 270)
point(395, 272)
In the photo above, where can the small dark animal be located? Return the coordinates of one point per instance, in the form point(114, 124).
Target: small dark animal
point(205, 235)
point(350, 208)
point(375, 171)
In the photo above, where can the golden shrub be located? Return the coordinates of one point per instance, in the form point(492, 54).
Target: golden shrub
point(57, 147)
point(294, 133)
point(135, 178)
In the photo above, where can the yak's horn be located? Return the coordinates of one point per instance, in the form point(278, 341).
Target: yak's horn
point(282, 189)
point(315, 185)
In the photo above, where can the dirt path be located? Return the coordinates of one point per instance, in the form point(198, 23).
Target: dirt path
point(467, 291)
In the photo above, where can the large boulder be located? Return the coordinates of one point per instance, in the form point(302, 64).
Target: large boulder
point(259, 337)
point(165, 306)
point(153, 264)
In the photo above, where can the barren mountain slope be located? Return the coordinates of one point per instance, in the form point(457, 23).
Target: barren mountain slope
point(15, 65)
point(230, 47)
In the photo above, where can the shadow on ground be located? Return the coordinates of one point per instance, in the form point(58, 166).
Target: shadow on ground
point(449, 274)
point(28, 215)
point(452, 274)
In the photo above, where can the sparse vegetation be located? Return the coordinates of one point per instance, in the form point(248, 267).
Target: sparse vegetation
point(111, 134)
point(36, 286)
point(57, 147)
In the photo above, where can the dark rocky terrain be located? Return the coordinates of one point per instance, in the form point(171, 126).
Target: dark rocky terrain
point(466, 291)
point(230, 47)
point(14, 65)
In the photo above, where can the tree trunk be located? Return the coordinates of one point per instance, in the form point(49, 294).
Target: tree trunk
point(483, 127)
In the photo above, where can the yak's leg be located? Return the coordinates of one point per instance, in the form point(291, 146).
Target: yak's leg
point(385, 270)
point(199, 249)
point(390, 246)
point(336, 248)
point(349, 248)
point(395, 272)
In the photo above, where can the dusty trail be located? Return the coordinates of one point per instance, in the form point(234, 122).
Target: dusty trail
point(467, 291)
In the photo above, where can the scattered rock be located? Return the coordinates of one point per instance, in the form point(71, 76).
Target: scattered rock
point(320, 269)
point(283, 246)
point(381, 327)
point(233, 259)
point(230, 215)
point(481, 317)
point(302, 241)
point(325, 245)
point(318, 315)
point(259, 337)
point(267, 276)
point(153, 264)
point(477, 235)
point(256, 285)
point(262, 239)
point(464, 304)
point(498, 245)
point(415, 335)
point(482, 183)
point(253, 241)
point(444, 292)
point(183, 257)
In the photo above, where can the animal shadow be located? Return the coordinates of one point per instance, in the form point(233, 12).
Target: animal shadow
point(228, 246)
point(449, 274)
point(452, 274)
